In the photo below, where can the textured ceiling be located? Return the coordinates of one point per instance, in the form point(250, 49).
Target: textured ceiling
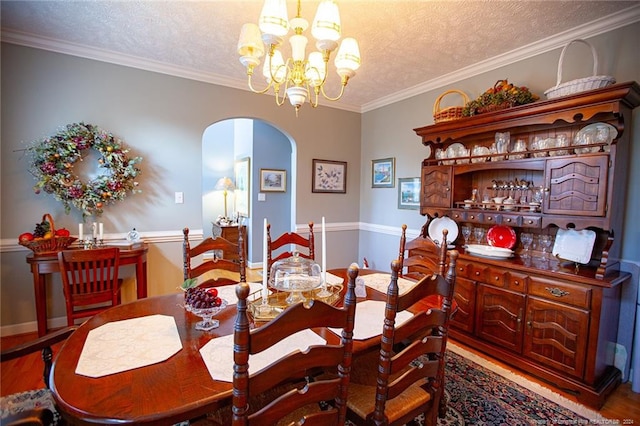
point(404, 44)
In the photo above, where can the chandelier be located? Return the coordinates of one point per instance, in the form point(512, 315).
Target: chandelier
point(298, 78)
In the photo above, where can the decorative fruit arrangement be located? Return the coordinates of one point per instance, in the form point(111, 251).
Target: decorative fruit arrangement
point(202, 298)
point(45, 238)
point(502, 95)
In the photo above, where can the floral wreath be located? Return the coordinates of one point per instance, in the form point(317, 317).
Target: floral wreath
point(53, 160)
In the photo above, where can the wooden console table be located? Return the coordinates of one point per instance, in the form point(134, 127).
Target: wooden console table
point(230, 233)
point(41, 265)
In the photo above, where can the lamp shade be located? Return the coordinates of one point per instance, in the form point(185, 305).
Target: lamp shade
point(274, 19)
point(225, 184)
point(315, 71)
point(348, 57)
point(326, 24)
point(250, 41)
point(278, 70)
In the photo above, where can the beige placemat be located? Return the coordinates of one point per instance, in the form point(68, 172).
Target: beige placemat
point(124, 345)
point(228, 292)
point(380, 282)
point(370, 319)
point(217, 354)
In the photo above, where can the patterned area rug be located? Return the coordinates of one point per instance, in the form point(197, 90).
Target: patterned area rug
point(489, 395)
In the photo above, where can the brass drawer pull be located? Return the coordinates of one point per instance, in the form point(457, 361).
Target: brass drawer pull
point(557, 292)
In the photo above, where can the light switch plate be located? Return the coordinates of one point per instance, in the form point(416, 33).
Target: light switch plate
point(262, 196)
point(179, 197)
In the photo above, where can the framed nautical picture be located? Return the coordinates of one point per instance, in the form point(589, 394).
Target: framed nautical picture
point(383, 173)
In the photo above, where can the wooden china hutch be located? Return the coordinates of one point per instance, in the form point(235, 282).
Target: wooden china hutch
point(554, 319)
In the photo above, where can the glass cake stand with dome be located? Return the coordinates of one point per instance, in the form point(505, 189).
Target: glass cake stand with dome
point(295, 275)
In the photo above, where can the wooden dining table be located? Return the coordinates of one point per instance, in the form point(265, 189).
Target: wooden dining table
point(177, 389)
point(45, 264)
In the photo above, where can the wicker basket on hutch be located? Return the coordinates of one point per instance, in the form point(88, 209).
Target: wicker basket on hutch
point(580, 85)
point(48, 245)
point(450, 113)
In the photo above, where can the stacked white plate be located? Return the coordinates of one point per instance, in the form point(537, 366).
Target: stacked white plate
point(489, 251)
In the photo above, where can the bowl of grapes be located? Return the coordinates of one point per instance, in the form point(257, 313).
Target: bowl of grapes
point(205, 303)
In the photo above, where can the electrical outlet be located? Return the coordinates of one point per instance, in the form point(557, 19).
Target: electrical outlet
point(179, 197)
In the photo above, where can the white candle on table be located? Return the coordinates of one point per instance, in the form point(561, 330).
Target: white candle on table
point(101, 230)
point(80, 232)
point(265, 292)
point(94, 230)
point(324, 253)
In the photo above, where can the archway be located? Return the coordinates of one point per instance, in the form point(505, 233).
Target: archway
point(233, 147)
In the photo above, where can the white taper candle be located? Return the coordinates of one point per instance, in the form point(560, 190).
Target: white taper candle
point(80, 232)
point(324, 253)
point(94, 230)
point(101, 227)
point(265, 292)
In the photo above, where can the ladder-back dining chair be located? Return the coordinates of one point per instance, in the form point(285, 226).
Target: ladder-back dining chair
point(421, 256)
point(283, 246)
point(32, 407)
point(409, 374)
point(90, 281)
point(217, 265)
point(313, 382)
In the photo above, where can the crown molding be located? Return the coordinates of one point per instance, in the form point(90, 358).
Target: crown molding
point(591, 29)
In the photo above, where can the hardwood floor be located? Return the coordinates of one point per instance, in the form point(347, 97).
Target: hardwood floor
point(623, 406)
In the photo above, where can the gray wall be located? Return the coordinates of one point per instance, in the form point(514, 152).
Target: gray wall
point(161, 118)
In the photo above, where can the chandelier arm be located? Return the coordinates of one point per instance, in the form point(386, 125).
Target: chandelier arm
point(342, 86)
point(260, 92)
point(316, 92)
point(284, 95)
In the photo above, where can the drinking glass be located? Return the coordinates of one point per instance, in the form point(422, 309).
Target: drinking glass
point(478, 234)
point(526, 239)
point(466, 233)
point(545, 242)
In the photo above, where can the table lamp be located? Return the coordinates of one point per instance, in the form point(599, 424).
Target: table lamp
point(225, 184)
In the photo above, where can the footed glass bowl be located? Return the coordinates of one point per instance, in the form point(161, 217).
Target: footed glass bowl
point(207, 314)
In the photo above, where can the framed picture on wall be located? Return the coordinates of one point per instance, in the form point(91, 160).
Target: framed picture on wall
point(409, 193)
point(383, 173)
point(242, 178)
point(272, 180)
point(329, 176)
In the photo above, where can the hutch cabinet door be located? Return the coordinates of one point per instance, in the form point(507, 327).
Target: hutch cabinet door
point(465, 297)
point(500, 315)
point(436, 186)
point(557, 335)
point(577, 186)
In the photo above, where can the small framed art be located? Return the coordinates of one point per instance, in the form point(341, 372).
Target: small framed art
point(409, 193)
point(329, 176)
point(272, 180)
point(383, 173)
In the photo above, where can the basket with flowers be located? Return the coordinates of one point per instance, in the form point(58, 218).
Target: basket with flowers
point(501, 96)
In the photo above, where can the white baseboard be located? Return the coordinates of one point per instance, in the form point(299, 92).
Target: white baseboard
point(31, 326)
